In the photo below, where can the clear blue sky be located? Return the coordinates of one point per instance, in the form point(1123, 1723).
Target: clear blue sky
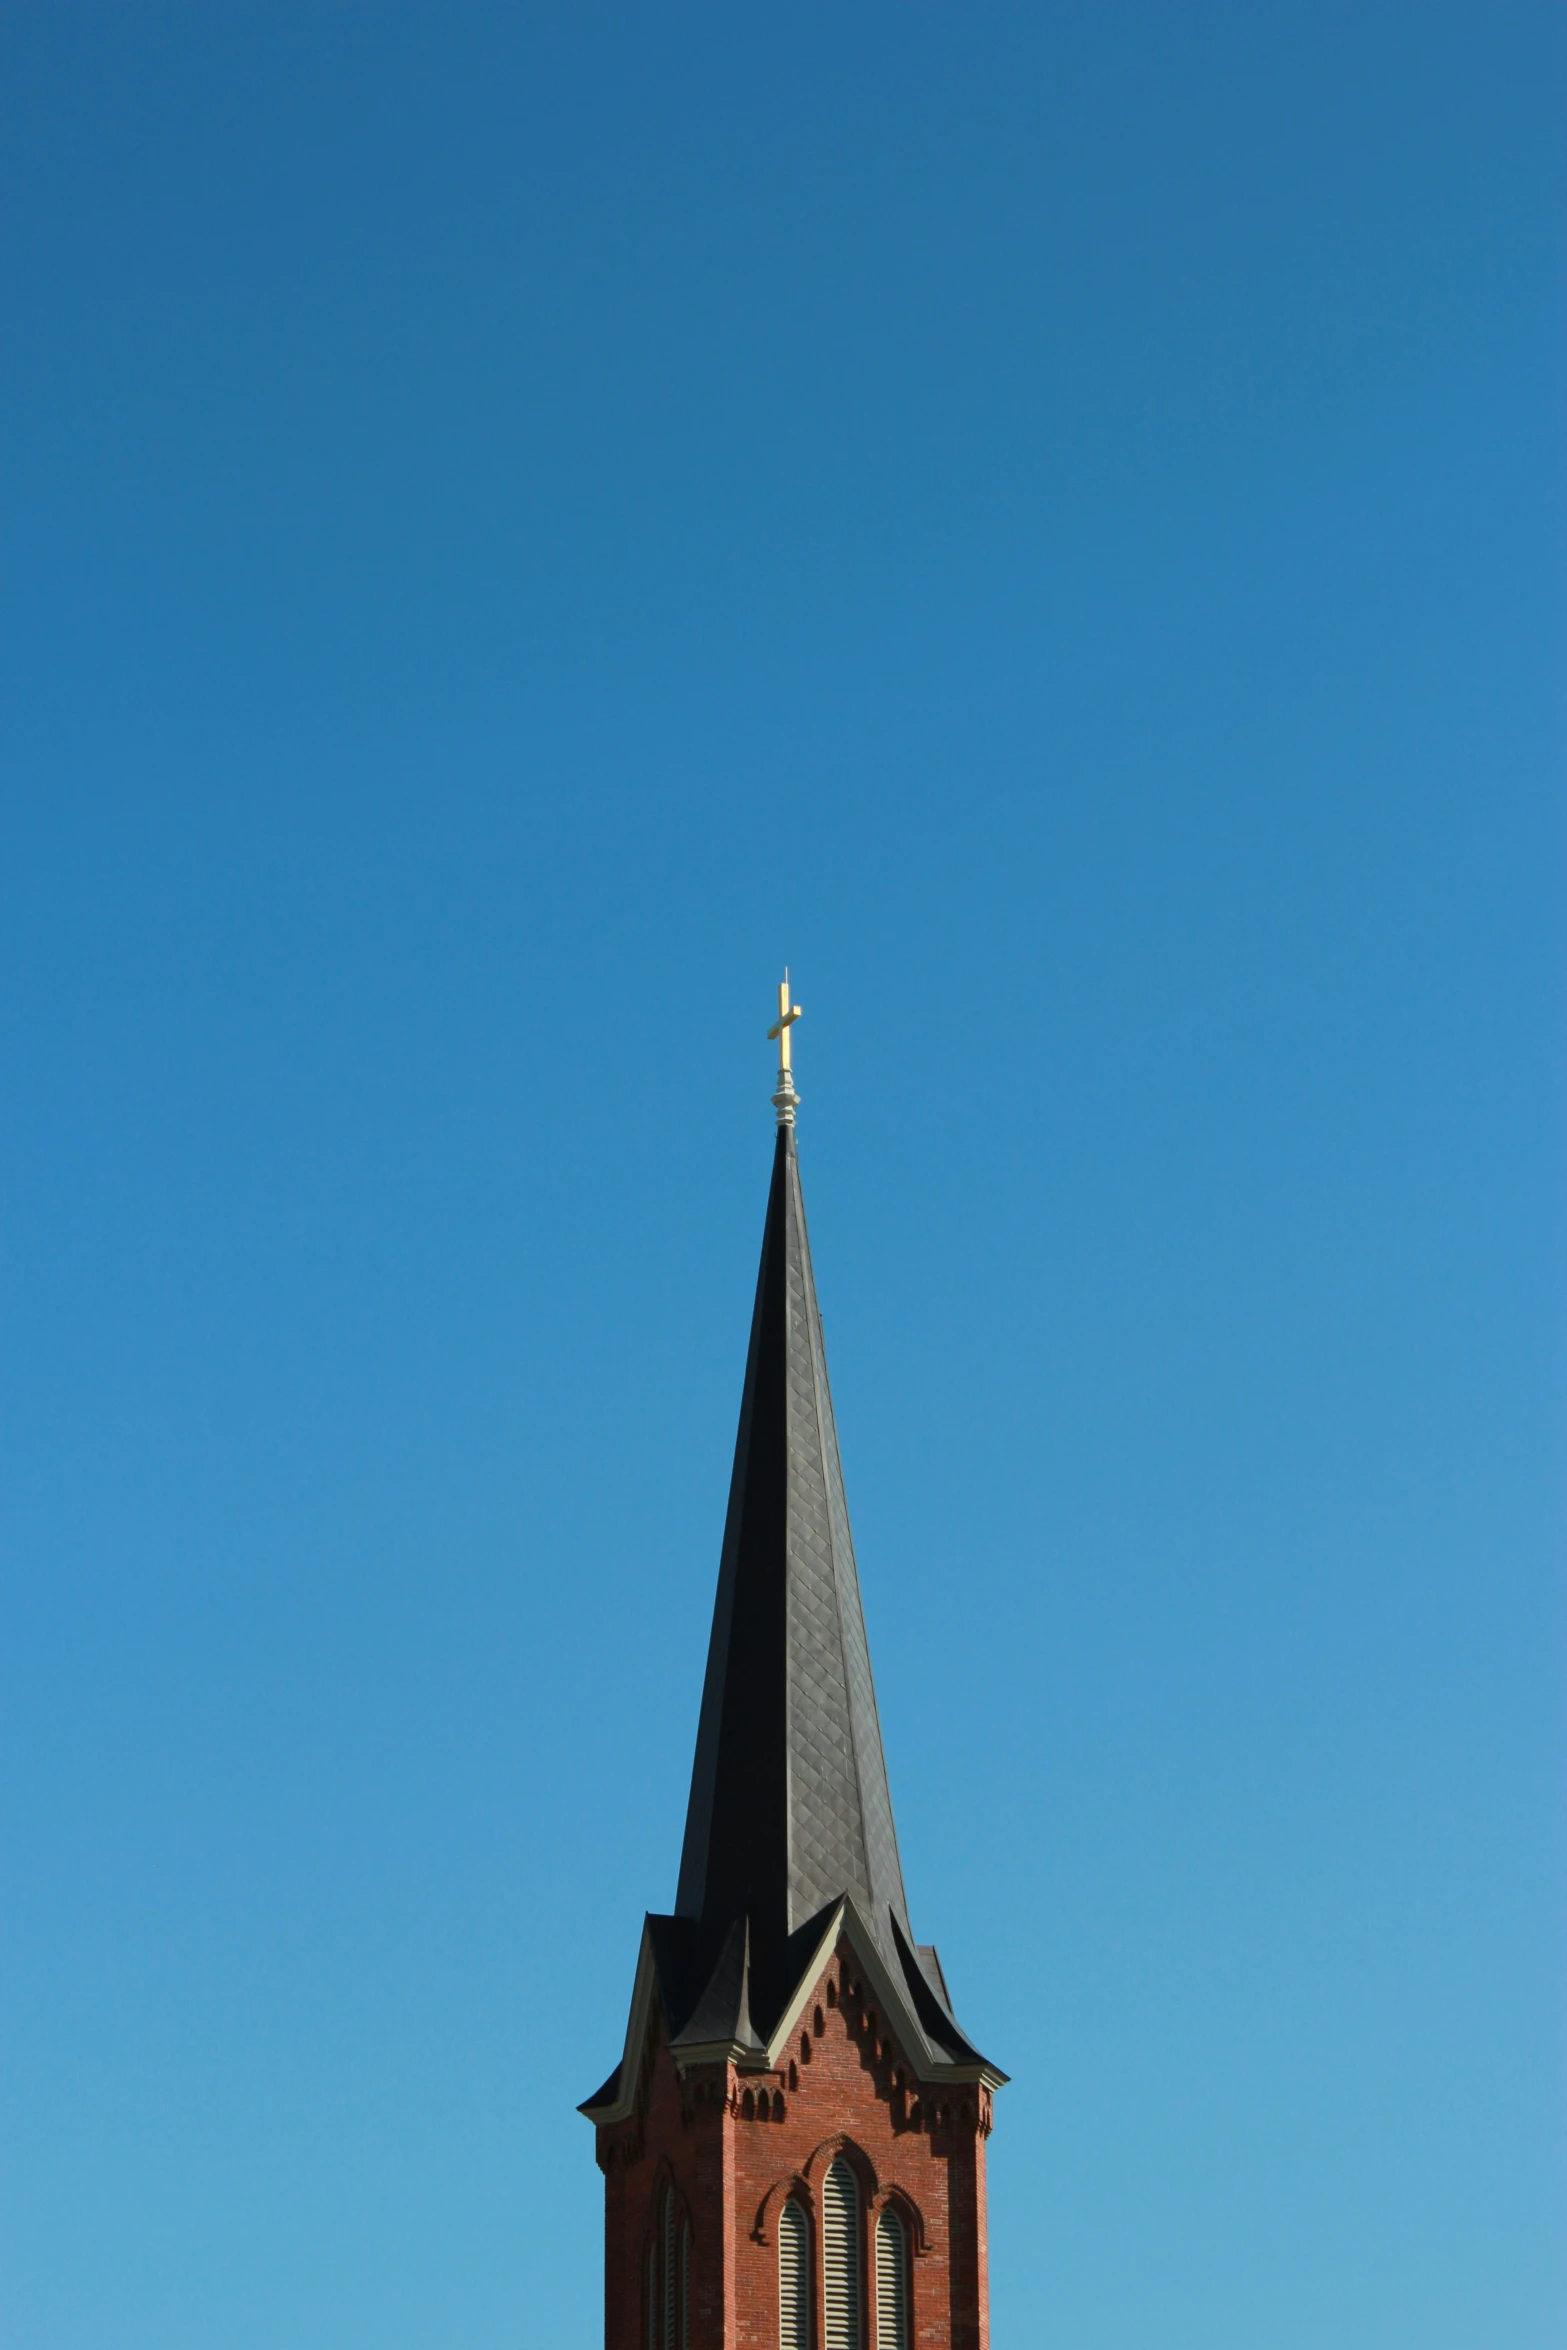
point(519, 521)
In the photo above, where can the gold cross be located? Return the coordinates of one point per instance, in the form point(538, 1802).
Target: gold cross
point(787, 1015)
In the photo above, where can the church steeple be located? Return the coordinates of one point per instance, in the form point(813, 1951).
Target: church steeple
point(794, 2095)
point(789, 1805)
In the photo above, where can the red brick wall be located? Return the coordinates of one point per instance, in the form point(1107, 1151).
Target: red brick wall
point(735, 2143)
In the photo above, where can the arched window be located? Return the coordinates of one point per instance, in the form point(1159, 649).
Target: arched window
point(794, 2278)
point(841, 2298)
point(671, 2273)
point(668, 2276)
point(892, 2283)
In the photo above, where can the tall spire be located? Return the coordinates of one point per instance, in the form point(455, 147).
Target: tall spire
point(790, 1852)
point(785, 2008)
point(789, 1806)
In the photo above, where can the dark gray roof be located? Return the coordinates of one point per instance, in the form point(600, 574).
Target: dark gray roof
point(790, 1815)
point(789, 1802)
point(701, 1978)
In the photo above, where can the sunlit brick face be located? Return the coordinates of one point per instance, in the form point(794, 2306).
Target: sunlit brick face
point(844, 2212)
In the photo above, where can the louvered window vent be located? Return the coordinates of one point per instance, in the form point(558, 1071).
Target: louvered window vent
point(841, 2257)
point(892, 2284)
point(794, 2278)
point(669, 2277)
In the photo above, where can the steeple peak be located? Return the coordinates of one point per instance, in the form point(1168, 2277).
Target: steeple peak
point(785, 1100)
point(789, 1808)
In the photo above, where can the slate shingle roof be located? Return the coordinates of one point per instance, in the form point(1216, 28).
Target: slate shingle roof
point(789, 1801)
point(790, 1813)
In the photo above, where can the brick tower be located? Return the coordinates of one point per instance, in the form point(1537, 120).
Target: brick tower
point(793, 2143)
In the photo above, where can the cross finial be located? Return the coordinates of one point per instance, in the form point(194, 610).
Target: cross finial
point(785, 1099)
